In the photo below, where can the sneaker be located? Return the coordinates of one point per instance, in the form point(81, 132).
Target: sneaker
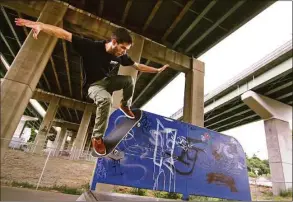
point(127, 111)
point(99, 146)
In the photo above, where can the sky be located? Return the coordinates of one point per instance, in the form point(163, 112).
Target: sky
point(244, 47)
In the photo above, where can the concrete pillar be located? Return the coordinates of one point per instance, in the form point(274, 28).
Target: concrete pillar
point(60, 140)
point(193, 110)
point(68, 143)
point(55, 143)
point(85, 141)
point(135, 54)
point(82, 130)
point(20, 81)
point(46, 124)
point(64, 141)
point(21, 132)
point(279, 144)
point(89, 146)
point(276, 117)
point(19, 128)
point(72, 141)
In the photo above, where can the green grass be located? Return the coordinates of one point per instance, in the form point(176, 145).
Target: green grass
point(204, 198)
point(173, 195)
point(23, 185)
point(67, 190)
point(63, 189)
point(286, 193)
point(137, 191)
point(163, 194)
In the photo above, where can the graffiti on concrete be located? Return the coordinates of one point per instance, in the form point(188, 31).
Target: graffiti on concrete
point(221, 179)
point(168, 155)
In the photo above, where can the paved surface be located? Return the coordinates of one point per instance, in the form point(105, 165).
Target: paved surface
point(95, 196)
point(23, 194)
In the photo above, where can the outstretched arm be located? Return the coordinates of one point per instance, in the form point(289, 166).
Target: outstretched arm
point(148, 69)
point(49, 29)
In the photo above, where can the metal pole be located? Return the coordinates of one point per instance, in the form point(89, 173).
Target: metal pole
point(43, 169)
point(256, 189)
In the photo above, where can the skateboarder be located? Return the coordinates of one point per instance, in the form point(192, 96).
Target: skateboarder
point(101, 60)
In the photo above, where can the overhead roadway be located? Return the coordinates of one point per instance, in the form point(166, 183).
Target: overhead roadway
point(271, 77)
point(173, 30)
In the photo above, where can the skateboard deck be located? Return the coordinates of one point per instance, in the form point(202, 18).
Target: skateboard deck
point(117, 134)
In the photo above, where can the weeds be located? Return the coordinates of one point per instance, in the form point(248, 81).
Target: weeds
point(63, 189)
point(204, 198)
point(286, 193)
point(22, 185)
point(138, 191)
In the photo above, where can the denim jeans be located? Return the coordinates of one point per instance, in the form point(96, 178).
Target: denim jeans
point(100, 92)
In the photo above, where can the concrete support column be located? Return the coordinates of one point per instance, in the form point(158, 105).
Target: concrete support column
point(82, 130)
point(55, 143)
point(135, 53)
point(89, 144)
point(21, 132)
point(72, 141)
point(64, 141)
point(85, 141)
point(193, 110)
point(46, 124)
point(19, 128)
point(276, 117)
point(20, 81)
point(60, 140)
point(279, 144)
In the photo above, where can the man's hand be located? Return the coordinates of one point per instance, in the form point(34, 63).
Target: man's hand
point(36, 26)
point(163, 68)
point(148, 69)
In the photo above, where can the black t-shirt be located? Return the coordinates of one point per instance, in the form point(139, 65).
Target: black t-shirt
point(97, 63)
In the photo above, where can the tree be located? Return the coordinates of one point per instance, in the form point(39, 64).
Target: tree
point(33, 135)
point(256, 166)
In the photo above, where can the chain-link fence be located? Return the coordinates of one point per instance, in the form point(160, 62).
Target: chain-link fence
point(30, 165)
point(69, 153)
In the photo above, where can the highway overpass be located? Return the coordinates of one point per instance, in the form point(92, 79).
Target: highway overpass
point(271, 76)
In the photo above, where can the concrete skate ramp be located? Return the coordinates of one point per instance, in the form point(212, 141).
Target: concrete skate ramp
point(168, 155)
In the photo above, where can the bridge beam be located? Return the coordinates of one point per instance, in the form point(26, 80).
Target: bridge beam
point(68, 125)
point(65, 124)
point(94, 27)
point(44, 96)
point(252, 83)
point(276, 117)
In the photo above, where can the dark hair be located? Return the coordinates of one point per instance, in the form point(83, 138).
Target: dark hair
point(122, 36)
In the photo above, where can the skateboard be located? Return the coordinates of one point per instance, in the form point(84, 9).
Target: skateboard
point(117, 134)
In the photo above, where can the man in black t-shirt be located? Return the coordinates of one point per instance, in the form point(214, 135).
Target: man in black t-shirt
point(101, 60)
